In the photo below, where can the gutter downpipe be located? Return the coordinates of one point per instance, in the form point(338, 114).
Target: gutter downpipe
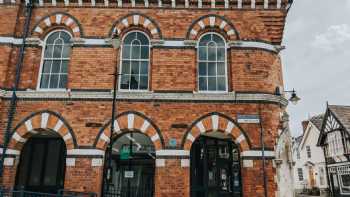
point(13, 104)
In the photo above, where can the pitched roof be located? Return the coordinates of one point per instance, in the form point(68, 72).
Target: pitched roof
point(342, 113)
point(317, 121)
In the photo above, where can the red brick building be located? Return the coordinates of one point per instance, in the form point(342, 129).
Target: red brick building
point(199, 82)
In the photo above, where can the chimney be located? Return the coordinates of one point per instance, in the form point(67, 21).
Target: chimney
point(304, 124)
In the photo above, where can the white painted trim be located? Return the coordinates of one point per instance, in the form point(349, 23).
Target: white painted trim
point(165, 43)
point(155, 137)
point(85, 152)
point(185, 163)
point(240, 139)
point(228, 96)
point(131, 118)
point(200, 126)
point(44, 119)
point(18, 138)
point(10, 151)
point(58, 125)
point(190, 137)
point(171, 152)
point(70, 161)
point(160, 162)
point(8, 161)
point(257, 153)
point(215, 122)
point(68, 136)
point(144, 126)
point(28, 124)
point(229, 127)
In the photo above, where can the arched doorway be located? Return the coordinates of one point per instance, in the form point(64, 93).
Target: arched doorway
point(215, 166)
point(132, 167)
point(42, 163)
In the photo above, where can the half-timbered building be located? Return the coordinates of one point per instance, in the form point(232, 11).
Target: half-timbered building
point(335, 141)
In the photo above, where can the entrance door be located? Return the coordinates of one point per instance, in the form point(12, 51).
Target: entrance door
point(312, 177)
point(215, 168)
point(133, 167)
point(42, 165)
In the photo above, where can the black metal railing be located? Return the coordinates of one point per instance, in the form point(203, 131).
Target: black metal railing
point(129, 192)
point(60, 193)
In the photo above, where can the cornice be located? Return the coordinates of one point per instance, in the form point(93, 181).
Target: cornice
point(230, 97)
point(160, 4)
point(105, 42)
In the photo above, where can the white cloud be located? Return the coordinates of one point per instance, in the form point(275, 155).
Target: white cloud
point(333, 38)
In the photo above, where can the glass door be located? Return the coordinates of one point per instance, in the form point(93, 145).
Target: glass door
point(215, 168)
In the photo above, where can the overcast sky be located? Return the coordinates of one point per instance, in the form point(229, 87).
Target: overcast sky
point(316, 60)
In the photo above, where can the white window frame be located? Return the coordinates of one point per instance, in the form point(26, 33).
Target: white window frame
point(197, 66)
point(121, 63)
point(38, 88)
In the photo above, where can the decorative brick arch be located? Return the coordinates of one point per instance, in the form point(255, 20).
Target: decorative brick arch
point(130, 121)
point(39, 122)
point(57, 19)
point(212, 21)
point(216, 122)
point(137, 20)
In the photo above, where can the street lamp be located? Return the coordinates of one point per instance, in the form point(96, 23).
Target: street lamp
point(115, 41)
point(294, 99)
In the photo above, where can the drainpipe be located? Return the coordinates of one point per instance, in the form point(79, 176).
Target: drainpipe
point(13, 103)
point(263, 151)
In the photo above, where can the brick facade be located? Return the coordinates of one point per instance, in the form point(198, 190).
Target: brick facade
point(253, 34)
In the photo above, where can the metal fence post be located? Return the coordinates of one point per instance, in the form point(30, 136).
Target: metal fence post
point(21, 192)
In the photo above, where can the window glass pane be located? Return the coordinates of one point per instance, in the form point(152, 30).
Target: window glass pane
point(47, 66)
point(126, 67)
point(144, 52)
point(134, 82)
point(124, 82)
point(135, 67)
point(53, 81)
point(212, 53)
point(202, 68)
point(143, 82)
point(143, 39)
point(204, 40)
point(221, 68)
point(202, 83)
point(64, 66)
point(57, 51)
point(44, 81)
point(48, 51)
point(221, 83)
point(63, 81)
point(136, 52)
point(126, 52)
point(218, 40)
point(65, 36)
point(221, 54)
point(128, 39)
point(56, 64)
point(211, 83)
point(346, 180)
point(144, 68)
point(202, 53)
point(52, 37)
point(211, 69)
point(66, 51)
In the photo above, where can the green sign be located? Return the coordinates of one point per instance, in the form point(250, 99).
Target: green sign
point(124, 153)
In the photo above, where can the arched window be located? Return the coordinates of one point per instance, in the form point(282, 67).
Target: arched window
point(54, 68)
point(135, 62)
point(212, 63)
